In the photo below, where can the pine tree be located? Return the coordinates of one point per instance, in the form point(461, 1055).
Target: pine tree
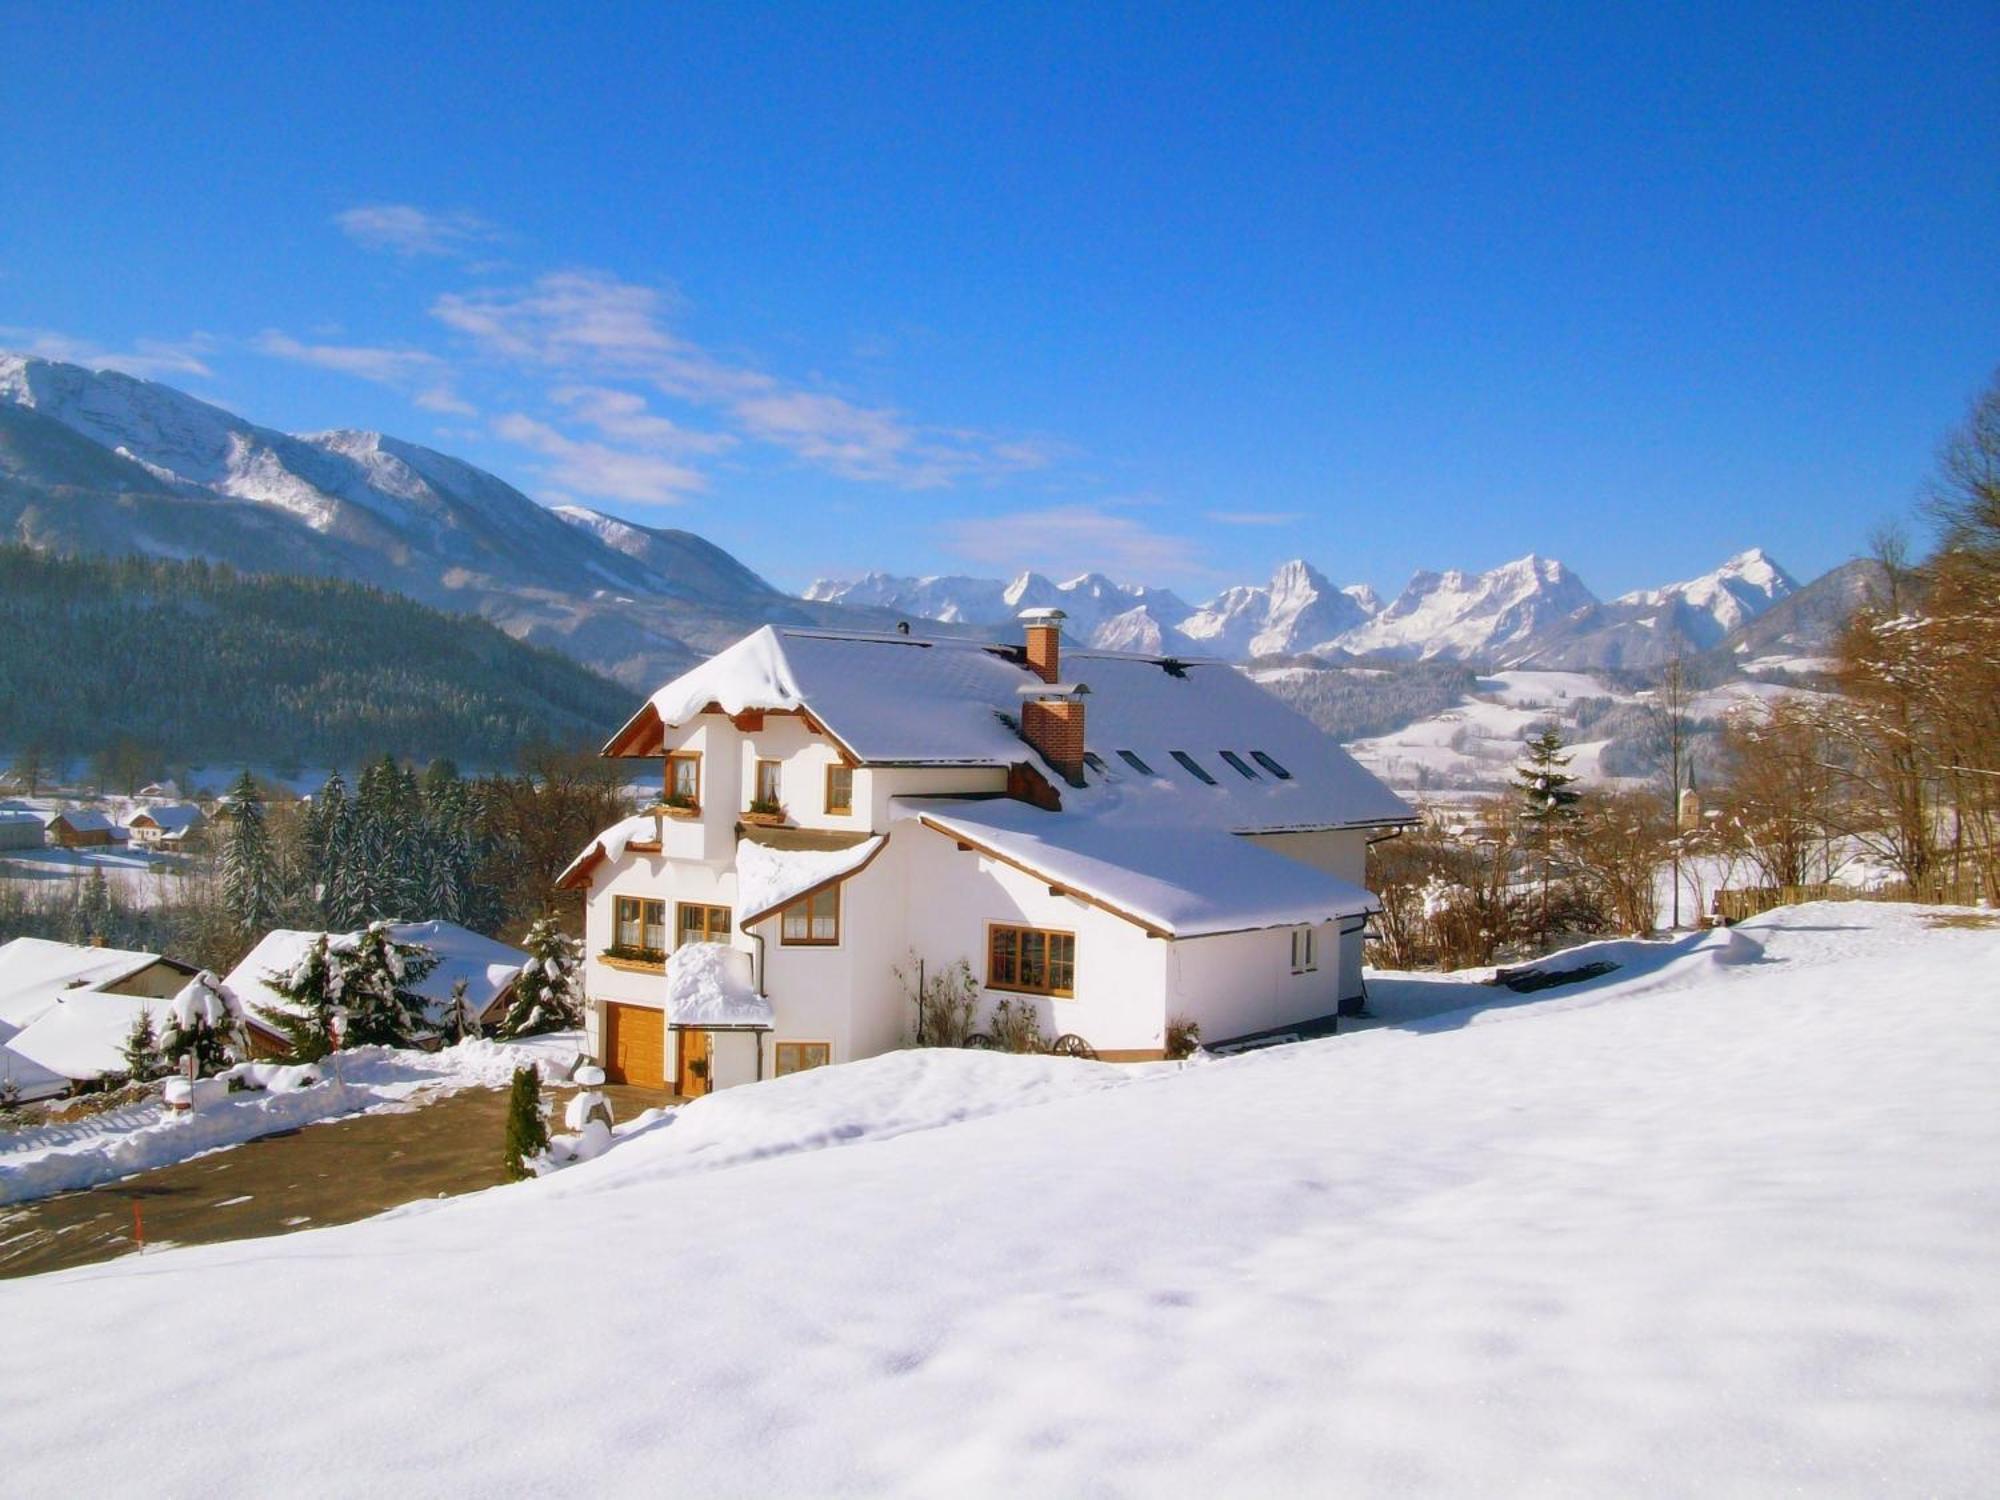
point(312, 989)
point(249, 875)
point(142, 1049)
point(378, 979)
point(1547, 801)
point(527, 1131)
point(93, 916)
point(549, 994)
point(206, 1020)
point(460, 1021)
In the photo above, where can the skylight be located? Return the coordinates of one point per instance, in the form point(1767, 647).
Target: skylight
point(1192, 766)
point(1236, 764)
point(1131, 759)
point(1093, 760)
point(1270, 765)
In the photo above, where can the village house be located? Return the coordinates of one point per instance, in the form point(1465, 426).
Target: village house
point(21, 828)
point(82, 828)
point(172, 826)
point(1118, 841)
point(67, 1008)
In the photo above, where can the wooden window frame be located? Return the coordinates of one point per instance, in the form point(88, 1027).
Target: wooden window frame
point(693, 757)
point(619, 904)
point(1015, 986)
point(832, 810)
point(778, 1068)
point(809, 941)
point(776, 799)
point(707, 909)
point(1308, 939)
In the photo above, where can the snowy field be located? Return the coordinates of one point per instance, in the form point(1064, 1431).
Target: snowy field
point(1725, 1222)
point(56, 1158)
point(142, 876)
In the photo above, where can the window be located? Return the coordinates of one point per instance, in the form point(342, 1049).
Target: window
point(639, 926)
point(1030, 960)
point(702, 924)
point(796, 1057)
point(1131, 759)
point(1095, 761)
point(684, 778)
point(840, 789)
point(1192, 766)
point(1270, 765)
point(1305, 957)
point(1236, 764)
point(766, 795)
point(811, 920)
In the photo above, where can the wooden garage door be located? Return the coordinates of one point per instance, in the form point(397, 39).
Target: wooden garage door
point(635, 1045)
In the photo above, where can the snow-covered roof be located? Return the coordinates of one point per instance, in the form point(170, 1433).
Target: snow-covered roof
point(610, 844)
point(177, 817)
point(34, 972)
point(83, 819)
point(769, 878)
point(19, 815)
point(1173, 880)
point(708, 984)
point(83, 1034)
point(909, 700)
point(489, 968)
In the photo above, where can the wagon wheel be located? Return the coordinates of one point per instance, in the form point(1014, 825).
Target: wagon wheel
point(1069, 1044)
point(979, 1041)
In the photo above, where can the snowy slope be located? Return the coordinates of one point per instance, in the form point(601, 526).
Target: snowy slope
point(1723, 1223)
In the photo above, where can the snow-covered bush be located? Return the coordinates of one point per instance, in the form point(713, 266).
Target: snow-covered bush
point(549, 994)
point(1183, 1037)
point(369, 976)
point(205, 1021)
point(142, 1049)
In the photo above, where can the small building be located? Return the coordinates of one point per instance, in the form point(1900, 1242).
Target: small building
point(21, 829)
point(66, 1009)
point(489, 968)
point(172, 826)
point(82, 828)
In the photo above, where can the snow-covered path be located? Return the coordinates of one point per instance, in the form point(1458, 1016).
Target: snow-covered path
point(1718, 1228)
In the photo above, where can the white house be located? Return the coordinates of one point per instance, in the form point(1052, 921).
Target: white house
point(1116, 840)
point(66, 1009)
point(169, 826)
point(21, 829)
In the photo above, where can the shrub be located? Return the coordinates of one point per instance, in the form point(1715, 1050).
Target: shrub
point(1016, 1026)
point(947, 1002)
point(527, 1131)
point(1183, 1037)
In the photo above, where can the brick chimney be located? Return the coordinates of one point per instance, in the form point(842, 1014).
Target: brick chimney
point(1044, 642)
point(1053, 723)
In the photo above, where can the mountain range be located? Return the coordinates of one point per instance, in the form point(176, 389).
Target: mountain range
point(1531, 612)
point(101, 462)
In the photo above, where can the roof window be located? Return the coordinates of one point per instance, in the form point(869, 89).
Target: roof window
point(1131, 759)
point(1192, 766)
point(1093, 760)
point(1236, 764)
point(1270, 765)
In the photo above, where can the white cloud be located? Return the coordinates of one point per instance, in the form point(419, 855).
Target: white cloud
point(149, 359)
point(593, 326)
point(597, 469)
point(404, 229)
point(1255, 517)
point(424, 375)
point(625, 416)
point(1067, 538)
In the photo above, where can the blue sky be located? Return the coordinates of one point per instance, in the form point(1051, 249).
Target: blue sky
point(1176, 292)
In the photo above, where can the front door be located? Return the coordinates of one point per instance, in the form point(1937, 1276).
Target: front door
point(635, 1045)
point(695, 1059)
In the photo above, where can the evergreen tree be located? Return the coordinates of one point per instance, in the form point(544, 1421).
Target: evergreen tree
point(249, 874)
point(206, 1020)
point(378, 979)
point(1547, 801)
point(142, 1049)
point(549, 994)
point(460, 1021)
point(527, 1131)
point(95, 913)
point(312, 989)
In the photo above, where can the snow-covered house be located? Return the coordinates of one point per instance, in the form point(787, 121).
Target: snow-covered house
point(489, 968)
point(1116, 840)
point(21, 828)
point(66, 1009)
point(82, 828)
point(169, 826)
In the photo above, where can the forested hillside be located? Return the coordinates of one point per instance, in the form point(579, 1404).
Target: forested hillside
point(193, 662)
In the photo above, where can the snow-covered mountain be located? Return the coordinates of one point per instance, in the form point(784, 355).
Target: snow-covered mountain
point(1467, 615)
point(1091, 601)
point(1726, 599)
point(96, 461)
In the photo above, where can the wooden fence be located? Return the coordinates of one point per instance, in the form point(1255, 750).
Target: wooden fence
point(1734, 906)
